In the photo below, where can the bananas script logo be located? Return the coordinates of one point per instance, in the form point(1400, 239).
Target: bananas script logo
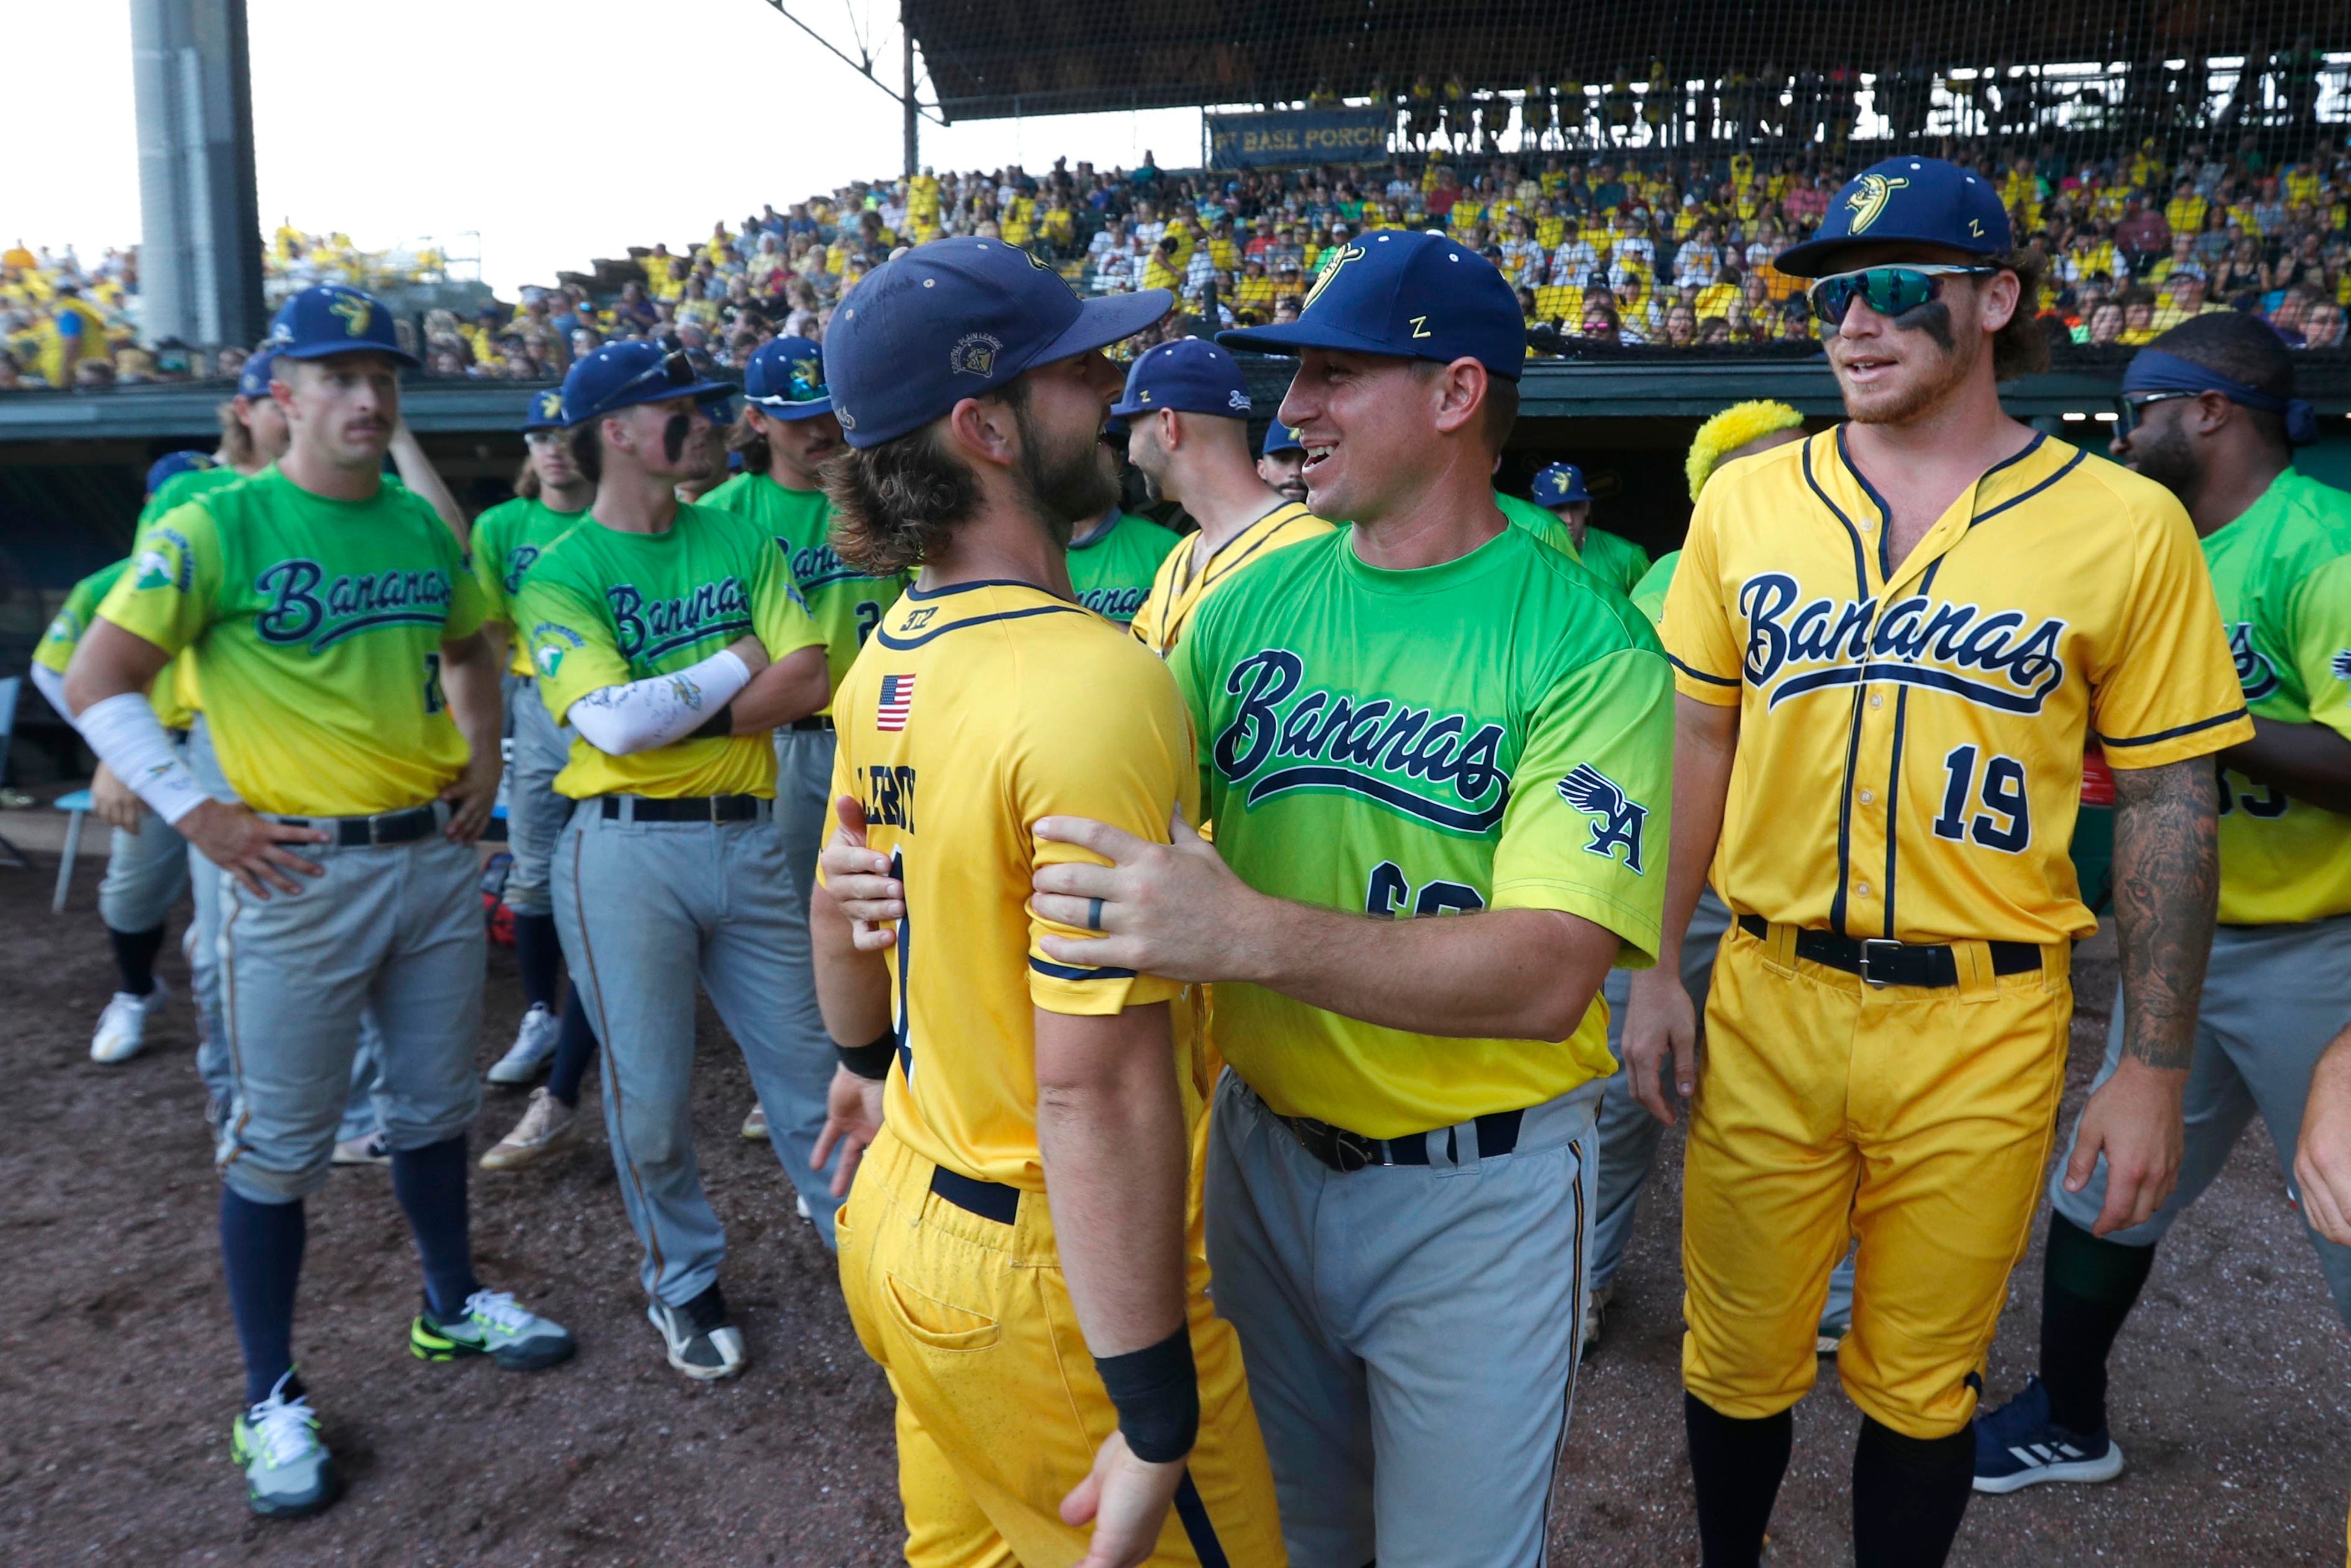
point(356, 310)
point(1347, 252)
point(1868, 203)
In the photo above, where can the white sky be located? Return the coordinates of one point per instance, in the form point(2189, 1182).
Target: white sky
point(677, 114)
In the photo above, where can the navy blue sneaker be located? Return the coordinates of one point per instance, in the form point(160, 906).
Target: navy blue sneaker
point(2018, 1446)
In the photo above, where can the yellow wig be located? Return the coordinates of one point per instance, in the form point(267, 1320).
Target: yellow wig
point(1732, 429)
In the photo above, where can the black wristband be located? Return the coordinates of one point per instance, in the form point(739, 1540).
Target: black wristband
point(718, 726)
point(871, 1062)
point(1158, 1397)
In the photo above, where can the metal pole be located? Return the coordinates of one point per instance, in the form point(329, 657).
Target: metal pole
point(907, 96)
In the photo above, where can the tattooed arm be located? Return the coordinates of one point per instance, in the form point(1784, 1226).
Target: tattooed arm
point(2167, 886)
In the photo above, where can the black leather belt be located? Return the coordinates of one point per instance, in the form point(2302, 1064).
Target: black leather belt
point(988, 1199)
point(815, 721)
point(1343, 1151)
point(1881, 961)
point(401, 827)
point(685, 808)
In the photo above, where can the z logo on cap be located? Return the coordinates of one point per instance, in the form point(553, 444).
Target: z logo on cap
point(355, 310)
point(1347, 252)
point(1868, 204)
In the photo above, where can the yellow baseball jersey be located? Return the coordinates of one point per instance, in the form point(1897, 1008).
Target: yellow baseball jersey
point(315, 626)
point(974, 710)
point(2282, 574)
point(1176, 588)
point(602, 608)
point(1910, 733)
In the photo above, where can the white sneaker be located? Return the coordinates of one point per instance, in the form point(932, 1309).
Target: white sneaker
point(1596, 1318)
point(534, 1043)
point(123, 1027)
point(371, 1150)
point(755, 1125)
point(547, 1126)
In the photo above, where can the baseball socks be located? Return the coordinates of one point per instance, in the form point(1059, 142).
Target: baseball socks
point(1908, 1494)
point(574, 1050)
point(134, 954)
point(2088, 1288)
point(1737, 1465)
point(430, 1183)
point(539, 956)
point(261, 1252)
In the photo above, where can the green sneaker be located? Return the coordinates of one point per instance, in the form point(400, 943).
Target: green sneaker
point(288, 1471)
point(494, 1325)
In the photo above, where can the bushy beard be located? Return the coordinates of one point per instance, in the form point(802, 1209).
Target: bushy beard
point(1065, 483)
point(2165, 457)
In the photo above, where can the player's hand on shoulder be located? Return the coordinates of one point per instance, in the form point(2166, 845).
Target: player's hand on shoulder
point(1125, 1499)
point(859, 879)
point(472, 795)
point(250, 847)
point(112, 801)
point(1660, 1036)
point(1176, 909)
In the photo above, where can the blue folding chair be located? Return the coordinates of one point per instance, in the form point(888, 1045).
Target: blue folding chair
point(11, 688)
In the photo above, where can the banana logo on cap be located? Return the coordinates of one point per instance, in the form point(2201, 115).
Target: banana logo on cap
point(356, 310)
point(1347, 252)
point(1868, 203)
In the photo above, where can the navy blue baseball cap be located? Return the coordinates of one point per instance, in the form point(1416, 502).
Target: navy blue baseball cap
point(173, 462)
point(546, 410)
point(785, 380)
point(956, 317)
point(622, 375)
point(253, 376)
point(1905, 200)
point(1414, 296)
point(1281, 437)
point(1190, 375)
point(1560, 484)
point(334, 319)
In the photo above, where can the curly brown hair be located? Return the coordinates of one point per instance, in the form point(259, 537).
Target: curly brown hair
point(2021, 347)
point(895, 504)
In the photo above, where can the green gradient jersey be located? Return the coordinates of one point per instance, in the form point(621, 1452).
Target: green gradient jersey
point(1496, 731)
point(1613, 559)
point(601, 608)
point(55, 651)
point(845, 604)
point(506, 539)
point(1648, 595)
point(2282, 574)
point(183, 487)
point(1113, 567)
point(316, 628)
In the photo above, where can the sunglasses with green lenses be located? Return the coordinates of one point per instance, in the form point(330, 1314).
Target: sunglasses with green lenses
point(1888, 290)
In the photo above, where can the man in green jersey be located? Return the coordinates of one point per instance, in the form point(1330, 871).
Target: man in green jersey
point(1616, 562)
point(1427, 714)
point(2208, 411)
point(253, 436)
point(672, 639)
point(551, 496)
point(353, 704)
point(787, 431)
point(1114, 559)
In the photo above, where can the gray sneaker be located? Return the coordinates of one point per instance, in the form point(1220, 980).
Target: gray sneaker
point(495, 1325)
point(546, 1126)
point(534, 1043)
point(700, 1341)
point(288, 1471)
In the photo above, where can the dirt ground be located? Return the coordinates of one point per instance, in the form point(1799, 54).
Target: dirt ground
point(119, 1369)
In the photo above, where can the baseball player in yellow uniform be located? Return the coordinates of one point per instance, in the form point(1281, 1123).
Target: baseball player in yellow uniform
point(671, 637)
point(1022, 1249)
point(1436, 754)
point(2211, 416)
point(1187, 414)
point(1892, 642)
point(354, 708)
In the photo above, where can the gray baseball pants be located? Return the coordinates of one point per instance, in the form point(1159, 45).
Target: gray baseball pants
point(1409, 1330)
point(1629, 1135)
point(2274, 996)
point(643, 909)
point(394, 930)
point(146, 873)
point(535, 812)
point(360, 1117)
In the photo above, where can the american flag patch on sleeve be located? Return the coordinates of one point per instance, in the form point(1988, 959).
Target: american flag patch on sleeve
point(897, 702)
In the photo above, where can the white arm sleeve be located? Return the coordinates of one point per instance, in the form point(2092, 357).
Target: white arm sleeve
point(128, 737)
point(52, 686)
point(660, 709)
